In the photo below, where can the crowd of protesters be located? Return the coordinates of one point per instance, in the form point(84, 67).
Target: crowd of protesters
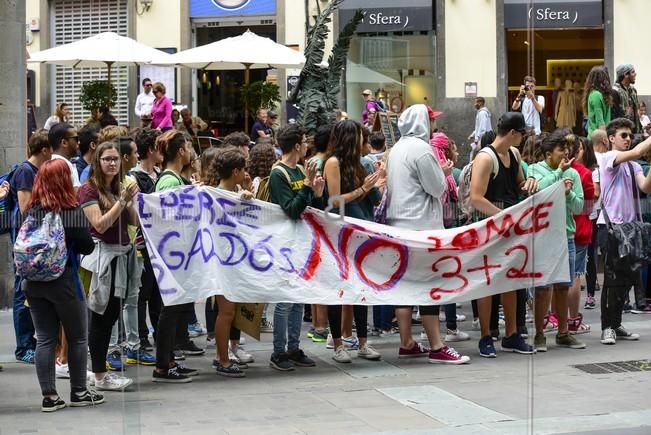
point(108, 289)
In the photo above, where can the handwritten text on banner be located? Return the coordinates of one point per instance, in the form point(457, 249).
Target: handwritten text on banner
point(204, 241)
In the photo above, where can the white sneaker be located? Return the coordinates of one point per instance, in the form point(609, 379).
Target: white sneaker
point(341, 356)
point(351, 343)
point(62, 371)
point(367, 352)
point(330, 342)
point(475, 325)
point(266, 326)
point(112, 382)
point(390, 332)
point(241, 356)
point(456, 335)
point(461, 317)
point(608, 336)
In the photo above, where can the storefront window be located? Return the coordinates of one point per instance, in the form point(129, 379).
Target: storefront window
point(397, 67)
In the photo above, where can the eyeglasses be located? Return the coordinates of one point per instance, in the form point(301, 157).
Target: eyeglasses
point(72, 137)
point(626, 135)
point(110, 160)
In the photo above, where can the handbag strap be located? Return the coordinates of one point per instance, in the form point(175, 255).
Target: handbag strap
point(636, 192)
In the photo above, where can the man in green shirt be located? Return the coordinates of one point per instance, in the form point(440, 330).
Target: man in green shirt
point(294, 190)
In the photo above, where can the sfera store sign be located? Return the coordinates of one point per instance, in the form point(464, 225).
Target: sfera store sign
point(518, 14)
point(390, 19)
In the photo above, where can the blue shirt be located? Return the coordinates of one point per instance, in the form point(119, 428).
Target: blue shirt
point(84, 174)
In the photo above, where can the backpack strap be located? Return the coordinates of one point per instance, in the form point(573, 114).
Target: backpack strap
point(282, 169)
point(168, 172)
point(496, 164)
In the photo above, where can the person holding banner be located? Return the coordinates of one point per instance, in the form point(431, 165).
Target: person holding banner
point(557, 167)
point(346, 177)
point(415, 183)
point(177, 153)
point(294, 189)
point(228, 166)
point(489, 194)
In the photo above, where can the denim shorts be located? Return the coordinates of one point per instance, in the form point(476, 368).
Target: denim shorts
point(571, 251)
point(581, 260)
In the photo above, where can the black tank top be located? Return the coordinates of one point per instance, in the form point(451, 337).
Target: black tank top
point(502, 190)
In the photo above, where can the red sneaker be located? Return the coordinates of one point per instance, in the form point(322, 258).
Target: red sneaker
point(576, 325)
point(416, 350)
point(447, 355)
point(551, 322)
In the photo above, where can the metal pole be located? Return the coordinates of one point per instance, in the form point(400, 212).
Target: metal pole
point(247, 79)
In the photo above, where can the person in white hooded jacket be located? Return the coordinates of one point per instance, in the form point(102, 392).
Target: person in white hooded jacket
point(415, 183)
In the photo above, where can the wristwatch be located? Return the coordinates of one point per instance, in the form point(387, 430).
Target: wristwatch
point(123, 202)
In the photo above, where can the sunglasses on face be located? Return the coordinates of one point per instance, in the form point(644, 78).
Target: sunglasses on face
point(626, 135)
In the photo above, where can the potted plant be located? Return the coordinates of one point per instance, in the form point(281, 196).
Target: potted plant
point(95, 95)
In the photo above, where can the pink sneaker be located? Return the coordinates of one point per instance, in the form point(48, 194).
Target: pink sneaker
point(416, 350)
point(447, 355)
point(551, 322)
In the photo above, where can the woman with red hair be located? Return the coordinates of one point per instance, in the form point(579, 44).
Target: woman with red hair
point(62, 300)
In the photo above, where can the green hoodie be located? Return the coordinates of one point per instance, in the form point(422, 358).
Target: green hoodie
point(547, 176)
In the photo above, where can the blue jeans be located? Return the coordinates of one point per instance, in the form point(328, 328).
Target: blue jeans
point(287, 327)
point(382, 316)
point(23, 325)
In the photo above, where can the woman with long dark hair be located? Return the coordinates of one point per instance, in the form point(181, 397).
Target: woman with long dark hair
point(345, 176)
point(597, 98)
point(60, 301)
point(109, 208)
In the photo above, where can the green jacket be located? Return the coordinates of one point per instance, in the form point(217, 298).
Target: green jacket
point(626, 102)
point(598, 111)
point(547, 176)
point(292, 196)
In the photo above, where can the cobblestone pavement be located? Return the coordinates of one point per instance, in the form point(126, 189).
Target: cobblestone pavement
point(512, 394)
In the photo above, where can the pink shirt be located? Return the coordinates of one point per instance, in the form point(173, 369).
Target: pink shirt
point(161, 113)
point(617, 189)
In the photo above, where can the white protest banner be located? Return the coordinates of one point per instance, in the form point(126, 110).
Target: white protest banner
point(203, 241)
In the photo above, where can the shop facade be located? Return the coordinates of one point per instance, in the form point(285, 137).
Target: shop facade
point(216, 94)
point(392, 54)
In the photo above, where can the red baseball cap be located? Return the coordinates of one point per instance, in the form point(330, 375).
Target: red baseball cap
point(432, 113)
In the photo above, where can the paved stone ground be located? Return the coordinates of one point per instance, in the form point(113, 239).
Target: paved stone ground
point(512, 394)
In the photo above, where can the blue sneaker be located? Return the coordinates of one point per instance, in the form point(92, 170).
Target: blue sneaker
point(486, 348)
point(196, 330)
point(114, 362)
point(140, 357)
point(516, 343)
point(27, 357)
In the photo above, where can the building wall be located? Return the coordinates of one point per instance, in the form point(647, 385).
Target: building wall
point(471, 52)
point(630, 16)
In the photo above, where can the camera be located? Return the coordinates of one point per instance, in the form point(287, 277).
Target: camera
point(527, 88)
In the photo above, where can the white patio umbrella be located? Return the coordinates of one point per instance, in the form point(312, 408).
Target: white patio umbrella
point(102, 50)
point(246, 51)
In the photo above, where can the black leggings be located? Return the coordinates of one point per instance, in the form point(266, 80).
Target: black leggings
point(171, 323)
point(360, 313)
point(101, 326)
point(591, 272)
point(149, 296)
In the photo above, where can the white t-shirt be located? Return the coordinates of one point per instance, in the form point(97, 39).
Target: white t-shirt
point(531, 115)
point(73, 171)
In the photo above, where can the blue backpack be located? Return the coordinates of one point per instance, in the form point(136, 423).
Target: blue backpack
point(40, 252)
